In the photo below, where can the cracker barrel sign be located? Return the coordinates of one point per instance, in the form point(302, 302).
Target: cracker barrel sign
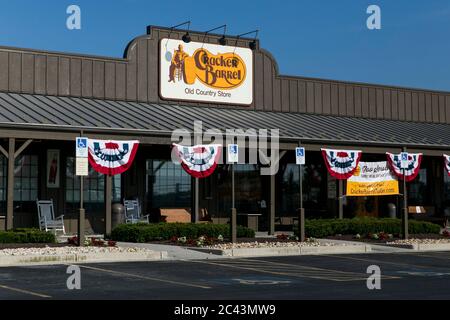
point(205, 72)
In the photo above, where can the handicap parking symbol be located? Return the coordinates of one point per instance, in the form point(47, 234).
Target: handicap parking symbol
point(81, 149)
point(82, 143)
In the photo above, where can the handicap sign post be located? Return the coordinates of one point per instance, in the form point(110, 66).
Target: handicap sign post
point(81, 170)
point(404, 165)
point(404, 160)
point(233, 157)
point(300, 159)
point(233, 153)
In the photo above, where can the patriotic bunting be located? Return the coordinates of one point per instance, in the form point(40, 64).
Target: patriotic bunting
point(111, 157)
point(341, 163)
point(414, 160)
point(447, 163)
point(199, 161)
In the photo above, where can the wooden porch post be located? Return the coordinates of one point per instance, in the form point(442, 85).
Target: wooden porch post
point(108, 200)
point(273, 193)
point(272, 205)
point(10, 185)
point(196, 200)
point(341, 199)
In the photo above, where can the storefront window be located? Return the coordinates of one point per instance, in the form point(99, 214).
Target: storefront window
point(93, 185)
point(446, 188)
point(168, 185)
point(3, 177)
point(418, 189)
point(25, 178)
point(314, 187)
point(248, 189)
point(116, 188)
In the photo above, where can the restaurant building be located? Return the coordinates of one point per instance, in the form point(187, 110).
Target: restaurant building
point(164, 83)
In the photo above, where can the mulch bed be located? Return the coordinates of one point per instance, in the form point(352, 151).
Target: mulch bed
point(239, 240)
point(31, 245)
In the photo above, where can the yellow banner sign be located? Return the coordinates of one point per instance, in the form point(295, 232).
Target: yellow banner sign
point(372, 179)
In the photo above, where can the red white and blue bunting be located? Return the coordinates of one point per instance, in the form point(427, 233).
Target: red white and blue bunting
point(447, 163)
point(414, 160)
point(111, 157)
point(199, 161)
point(341, 163)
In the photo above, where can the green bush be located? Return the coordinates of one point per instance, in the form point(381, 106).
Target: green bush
point(164, 231)
point(25, 235)
point(321, 228)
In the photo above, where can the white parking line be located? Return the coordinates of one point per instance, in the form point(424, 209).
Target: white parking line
point(179, 283)
point(377, 261)
point(431, 255)
point(32, 293)
point(295, 271)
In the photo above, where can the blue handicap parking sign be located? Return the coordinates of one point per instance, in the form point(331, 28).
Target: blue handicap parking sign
point(300, 155)
point(82, 142)
point(81, 147)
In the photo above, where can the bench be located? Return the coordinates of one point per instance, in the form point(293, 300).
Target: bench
point(175, 215)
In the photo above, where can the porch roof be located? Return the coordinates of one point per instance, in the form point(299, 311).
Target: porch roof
point(28, 111)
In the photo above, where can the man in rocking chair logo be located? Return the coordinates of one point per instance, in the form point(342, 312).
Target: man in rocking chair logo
point(177, 65)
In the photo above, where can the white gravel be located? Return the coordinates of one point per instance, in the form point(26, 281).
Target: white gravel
point(224, 246)
point(54, 251)
point(420, 241)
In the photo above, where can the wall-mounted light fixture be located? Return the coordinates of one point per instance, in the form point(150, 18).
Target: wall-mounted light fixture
point(222, 40)
point(186, 37)
point(252, 44)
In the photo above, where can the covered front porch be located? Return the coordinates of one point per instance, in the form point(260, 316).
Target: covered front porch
point(37, 131)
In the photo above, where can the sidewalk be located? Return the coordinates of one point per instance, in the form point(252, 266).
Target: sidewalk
point(173, 252)
point(183, 253)
point(376, 248)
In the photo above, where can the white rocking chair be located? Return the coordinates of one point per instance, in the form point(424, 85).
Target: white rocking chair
point(133, 212)
point(46, 216)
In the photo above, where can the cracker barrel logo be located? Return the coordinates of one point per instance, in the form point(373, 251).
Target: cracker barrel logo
point(218, 71)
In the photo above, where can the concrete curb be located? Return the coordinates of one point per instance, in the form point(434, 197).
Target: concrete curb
point(9, 261)
point(287, 251)
point(422, 246)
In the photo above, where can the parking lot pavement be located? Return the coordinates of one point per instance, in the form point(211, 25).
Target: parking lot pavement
point(403, 276)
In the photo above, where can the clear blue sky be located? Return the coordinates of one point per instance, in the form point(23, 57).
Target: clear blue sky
point(324, 39)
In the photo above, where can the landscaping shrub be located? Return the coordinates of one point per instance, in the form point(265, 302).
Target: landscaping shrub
point(166, 231)
point(25, 235)
point(320, 228)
